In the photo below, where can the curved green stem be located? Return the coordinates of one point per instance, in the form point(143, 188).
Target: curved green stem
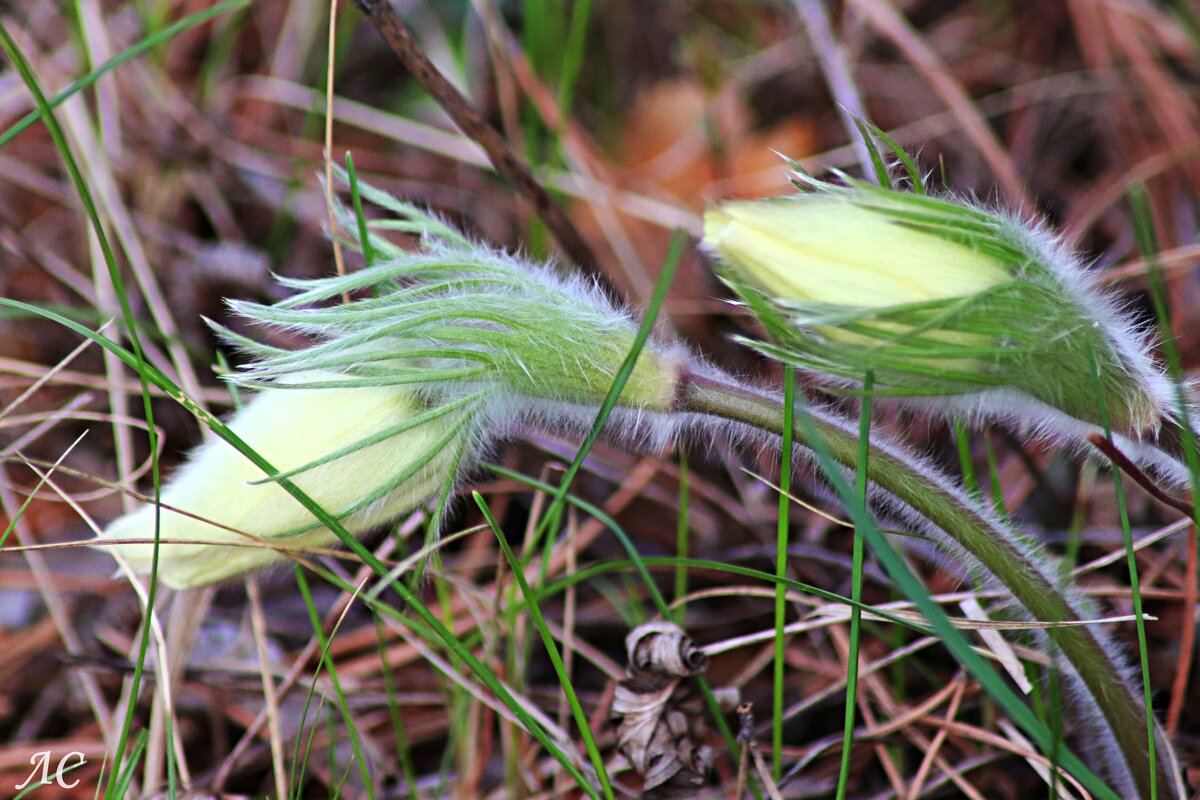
point(992, 544)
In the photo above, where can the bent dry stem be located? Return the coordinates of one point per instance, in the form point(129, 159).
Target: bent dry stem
point(974, 531)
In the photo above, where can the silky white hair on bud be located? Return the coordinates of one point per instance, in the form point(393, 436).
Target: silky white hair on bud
point(1036, 344)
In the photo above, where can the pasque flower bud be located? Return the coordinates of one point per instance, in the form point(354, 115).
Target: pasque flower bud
point(456, 317)
point(831, 250)
point(364, 454)
point(455, 345)
point(964, 308)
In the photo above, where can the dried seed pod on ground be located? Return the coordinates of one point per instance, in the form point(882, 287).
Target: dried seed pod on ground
point(660, 720)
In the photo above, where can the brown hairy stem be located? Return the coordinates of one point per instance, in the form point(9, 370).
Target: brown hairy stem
point(1110, 449)
point(468, 119)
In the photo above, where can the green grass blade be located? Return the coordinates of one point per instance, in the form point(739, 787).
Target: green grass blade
point(681, 543)
point(137, 362)
point(962, 438)
point(364, 237)
point(143, 46)
point(781, 562)
point(1134, 588)
point(403, 751)
point(122, 781)
point(670, 263)
point(882, 176)
point(856, 574)
point(572, 61)
point(651, 589)
point(343, 704)
point(953, 639)
point(564, 678)
point(433, 628)
point(1148, 245)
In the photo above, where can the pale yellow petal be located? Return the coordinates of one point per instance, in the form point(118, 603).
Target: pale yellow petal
point(288, 427)
point(829, 250)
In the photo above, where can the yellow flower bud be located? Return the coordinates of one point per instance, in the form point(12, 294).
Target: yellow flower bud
point(289, 428)
point(826, 249)
point(936, 299)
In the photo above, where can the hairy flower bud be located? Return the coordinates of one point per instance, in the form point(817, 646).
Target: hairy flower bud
point(454, 345)
point(456, 317)
point(830, 250)
point(961, 307)
point(362, 453)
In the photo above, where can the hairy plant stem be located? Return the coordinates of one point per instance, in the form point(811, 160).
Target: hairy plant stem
point(992, 544)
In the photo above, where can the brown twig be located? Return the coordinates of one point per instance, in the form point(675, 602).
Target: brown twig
point(1106, 446)
point(1187, 638)
point(831, 58)
point(400, 39)
point(894, 27)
